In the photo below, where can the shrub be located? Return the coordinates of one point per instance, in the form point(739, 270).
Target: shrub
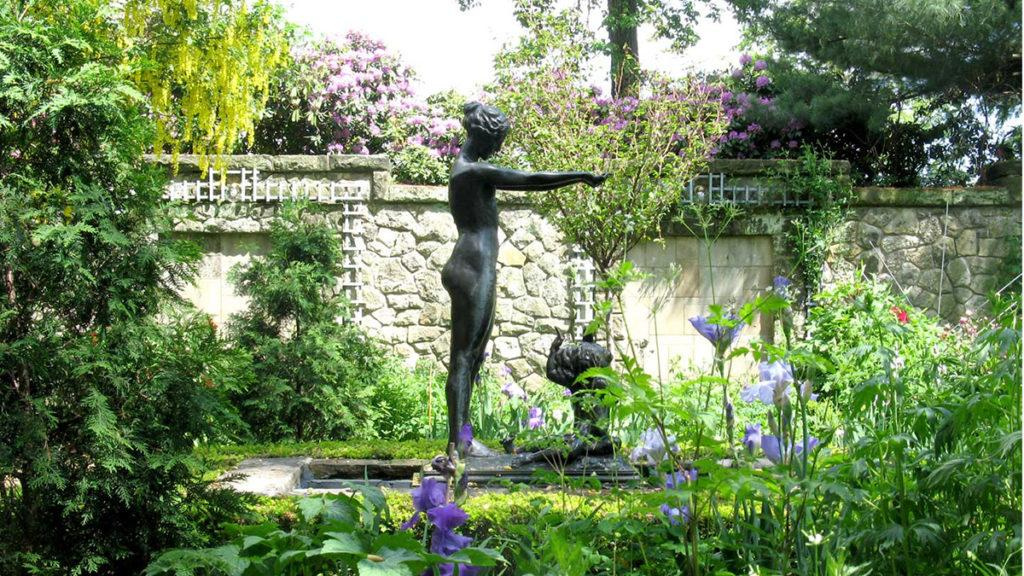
point(313, 372)
point(106, 387)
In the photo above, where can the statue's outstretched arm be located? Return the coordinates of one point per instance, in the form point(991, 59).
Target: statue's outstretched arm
point(507, 179)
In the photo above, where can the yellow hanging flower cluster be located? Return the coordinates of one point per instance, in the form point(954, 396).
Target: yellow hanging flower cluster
point(207, 65)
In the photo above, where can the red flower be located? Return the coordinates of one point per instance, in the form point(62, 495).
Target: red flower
point(901, 314)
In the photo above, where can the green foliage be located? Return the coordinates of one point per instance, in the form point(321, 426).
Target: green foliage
point(651, 146)
point(814, 230)
point(962, 49)
point(336, 534)
point(415, 164)
point(206, 66)
point(313, 375)
point(920, 92)
point(101, 402)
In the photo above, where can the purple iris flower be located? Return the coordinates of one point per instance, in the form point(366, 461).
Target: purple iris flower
point(720, 336)
point(772, 448)
point(651, 447)
point(466, 436)
point(444, 540)
point(447, 516)
point(812, 443)
point(676, 516)
point(535, 418)
point(780, 283)
point(774, 385)
point(752, 438)
point(431, 494)
point(676, 479)
point(513, 390)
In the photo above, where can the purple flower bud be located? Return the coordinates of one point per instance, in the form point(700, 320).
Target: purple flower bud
point(752, 438)
point(535, 418)
point(676, 516)
point(465, 436)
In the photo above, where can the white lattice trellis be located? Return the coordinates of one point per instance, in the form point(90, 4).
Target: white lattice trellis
point(719, 188)
point(245, 185)
point(584, 293)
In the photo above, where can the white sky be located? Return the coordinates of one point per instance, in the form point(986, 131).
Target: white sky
point(428, 33)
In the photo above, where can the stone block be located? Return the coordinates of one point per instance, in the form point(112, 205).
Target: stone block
point(868, 235)
point(507, 348)
point(995, 247)
point(509, 255)
point(555, 291)
point(424, 333)
point(510, 282)
point(513, 329)
point(413, 262)
point(967, 243)
point(534, 278)
point(435, 314)
point(532, 306)
point(400, 302)
point(929, 281)
point(963, 295)
point(959, 272)
point(428, 247)
point(407, 318)
point(892, 244)
point(534, 251)
point(518, 368)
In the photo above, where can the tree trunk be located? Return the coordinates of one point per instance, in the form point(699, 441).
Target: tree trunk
point(623, 17)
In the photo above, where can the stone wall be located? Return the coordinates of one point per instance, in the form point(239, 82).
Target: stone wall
point(399, 237)
point(945, 249)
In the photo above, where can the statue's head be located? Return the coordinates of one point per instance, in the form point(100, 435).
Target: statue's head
point(487, 125)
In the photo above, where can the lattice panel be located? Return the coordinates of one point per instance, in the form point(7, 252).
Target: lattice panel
point(245, 185)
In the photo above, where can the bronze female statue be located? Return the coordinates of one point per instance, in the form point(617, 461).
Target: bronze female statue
point(471, 273)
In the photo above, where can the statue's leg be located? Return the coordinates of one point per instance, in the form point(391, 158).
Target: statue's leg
point(472, 317)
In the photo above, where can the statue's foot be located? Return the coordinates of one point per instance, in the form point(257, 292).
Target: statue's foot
point(479, 450)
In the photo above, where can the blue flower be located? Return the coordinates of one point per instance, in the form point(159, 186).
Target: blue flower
point(781, 284)
point(719, 334)
point(774, 385)
point(773, 448)
point(535, 418)
point(676, 516)
point(676, 479)
point(752, 438)
point(431, 494)
point(651, 447)
point(465, 437)
point(447, 516)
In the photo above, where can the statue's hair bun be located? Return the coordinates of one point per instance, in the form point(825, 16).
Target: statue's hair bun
point(484, 120)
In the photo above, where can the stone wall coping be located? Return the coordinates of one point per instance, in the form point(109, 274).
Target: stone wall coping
point(961, 197)
point(413, 194)
point(284, 163)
